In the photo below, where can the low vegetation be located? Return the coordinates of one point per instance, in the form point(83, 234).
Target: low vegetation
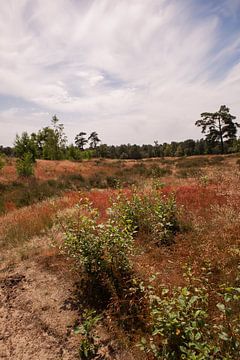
point(183, 326)
point(154, 254)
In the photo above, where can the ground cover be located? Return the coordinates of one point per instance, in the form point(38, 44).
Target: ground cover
point(45, 295)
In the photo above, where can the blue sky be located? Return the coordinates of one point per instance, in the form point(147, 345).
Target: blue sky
point(134, 71)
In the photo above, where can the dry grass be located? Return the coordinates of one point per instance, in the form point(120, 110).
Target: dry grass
point(21, 225)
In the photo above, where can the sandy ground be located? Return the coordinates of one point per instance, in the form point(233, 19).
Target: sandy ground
point(36, 311)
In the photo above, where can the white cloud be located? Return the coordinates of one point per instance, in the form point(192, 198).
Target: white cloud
point(133, 71)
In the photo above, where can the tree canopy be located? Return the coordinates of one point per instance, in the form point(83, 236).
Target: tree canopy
point(219, 126)
point(50, 142)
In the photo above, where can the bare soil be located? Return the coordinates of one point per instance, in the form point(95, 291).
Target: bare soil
point(37, 317)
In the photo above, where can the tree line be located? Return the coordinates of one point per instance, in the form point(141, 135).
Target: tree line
point(50, 143)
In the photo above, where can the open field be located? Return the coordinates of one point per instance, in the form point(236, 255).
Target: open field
point(44, 292)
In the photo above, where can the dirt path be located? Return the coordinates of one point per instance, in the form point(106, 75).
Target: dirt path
point(37, 317)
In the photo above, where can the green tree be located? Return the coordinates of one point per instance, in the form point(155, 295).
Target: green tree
point(218, 126)
point(51, 141)
point(93, 140)
point(25, 166)
point(180, 150)
point(73, 153)
point(80, 140)
point(25, 144)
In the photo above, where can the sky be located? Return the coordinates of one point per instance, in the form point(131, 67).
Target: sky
point(133, 71)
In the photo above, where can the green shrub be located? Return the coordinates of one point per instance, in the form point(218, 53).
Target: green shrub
point(181, 326)
point(2, 162)
point(150, 213)
point(99, 249)
point(25, 166)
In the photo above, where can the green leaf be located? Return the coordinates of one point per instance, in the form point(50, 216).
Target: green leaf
point(223, 336)
point(221, 307)
point(198, 336)
point(76, 330)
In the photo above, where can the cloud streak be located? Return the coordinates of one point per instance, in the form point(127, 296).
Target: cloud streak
point(133, 71)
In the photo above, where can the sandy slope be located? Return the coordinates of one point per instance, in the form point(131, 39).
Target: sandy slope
point(37, 316)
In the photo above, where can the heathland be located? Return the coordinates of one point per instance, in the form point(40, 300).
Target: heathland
point(121, 259)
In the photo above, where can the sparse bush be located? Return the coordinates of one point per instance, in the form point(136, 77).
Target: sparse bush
point(25, 166)
point(89, 344)
point(98, 180)
point(157, 171)
point(157, 184)
point(113, 182)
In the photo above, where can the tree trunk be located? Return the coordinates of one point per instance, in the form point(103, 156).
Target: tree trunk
point(221, 135)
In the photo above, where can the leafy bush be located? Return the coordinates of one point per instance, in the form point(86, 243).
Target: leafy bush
point(99, 249)
point(150, 213)
point(25, 166)
point(181, 326)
